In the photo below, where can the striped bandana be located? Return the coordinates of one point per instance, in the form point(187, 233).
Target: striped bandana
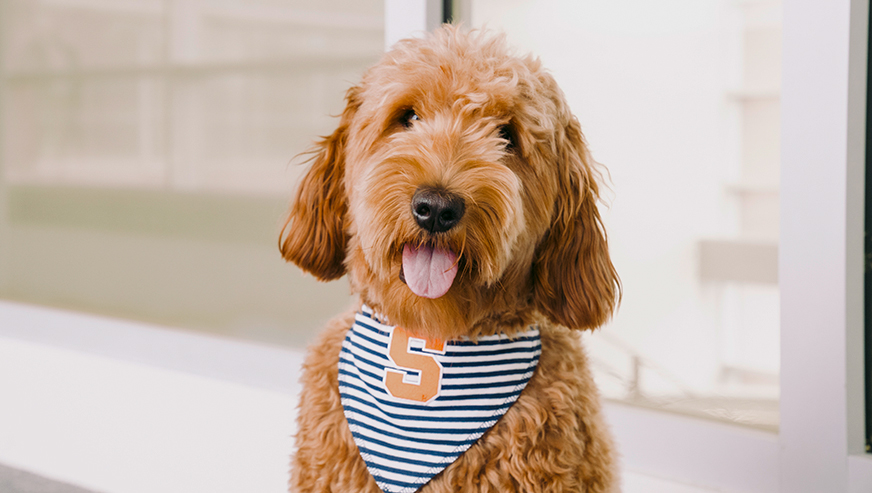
point(413, 406)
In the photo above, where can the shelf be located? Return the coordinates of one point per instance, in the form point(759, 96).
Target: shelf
point(752, 189)
point(295, 65)
point(738, 261)
point(747, 95)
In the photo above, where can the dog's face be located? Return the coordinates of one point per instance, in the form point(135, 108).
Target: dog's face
point(457, 194)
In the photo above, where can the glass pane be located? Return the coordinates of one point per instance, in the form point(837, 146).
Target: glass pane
point(148, 154)
point(679, 101)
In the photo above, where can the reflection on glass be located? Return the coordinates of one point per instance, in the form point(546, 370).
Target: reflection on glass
point(146, 147)
point(175, 94)
point(679, 100)
point(148, 153)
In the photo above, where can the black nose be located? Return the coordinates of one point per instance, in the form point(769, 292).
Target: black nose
point(435, 210)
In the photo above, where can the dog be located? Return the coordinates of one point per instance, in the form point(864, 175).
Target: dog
point(459, 198)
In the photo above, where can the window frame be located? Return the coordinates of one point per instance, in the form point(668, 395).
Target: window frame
point(821, 263)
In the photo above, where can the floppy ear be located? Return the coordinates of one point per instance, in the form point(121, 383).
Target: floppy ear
point(575, 283)
point(314, 235)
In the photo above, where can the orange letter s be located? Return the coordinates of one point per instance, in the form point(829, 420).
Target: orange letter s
point(426, 365)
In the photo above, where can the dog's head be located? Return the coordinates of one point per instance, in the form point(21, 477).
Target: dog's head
point(458, 194)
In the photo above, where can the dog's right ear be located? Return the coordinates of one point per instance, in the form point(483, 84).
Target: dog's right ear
point(314, 236)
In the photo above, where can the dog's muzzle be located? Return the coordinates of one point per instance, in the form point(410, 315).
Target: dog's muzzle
point(429, 270)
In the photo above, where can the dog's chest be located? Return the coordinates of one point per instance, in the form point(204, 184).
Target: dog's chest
point(414, 406)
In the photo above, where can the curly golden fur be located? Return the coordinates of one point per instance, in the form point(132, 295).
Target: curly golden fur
point(494, 130)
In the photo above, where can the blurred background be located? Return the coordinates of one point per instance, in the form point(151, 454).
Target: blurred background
point(148, 150)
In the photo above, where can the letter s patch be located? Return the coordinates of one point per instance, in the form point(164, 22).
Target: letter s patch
point(401, 383)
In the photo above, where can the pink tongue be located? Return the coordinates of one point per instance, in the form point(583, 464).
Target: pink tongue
point(429, 271)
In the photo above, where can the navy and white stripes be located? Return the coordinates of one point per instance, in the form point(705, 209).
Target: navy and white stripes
point(440, 399)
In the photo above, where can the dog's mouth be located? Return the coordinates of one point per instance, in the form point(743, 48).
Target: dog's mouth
point(428, 270)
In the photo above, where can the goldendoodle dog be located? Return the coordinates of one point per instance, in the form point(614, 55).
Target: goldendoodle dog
point(459, 198)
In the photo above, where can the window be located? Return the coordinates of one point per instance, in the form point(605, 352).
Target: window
point(149, 154)
point(679, 101)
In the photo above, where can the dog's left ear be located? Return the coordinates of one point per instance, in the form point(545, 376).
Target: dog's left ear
point(314, 236)
point(575, 283)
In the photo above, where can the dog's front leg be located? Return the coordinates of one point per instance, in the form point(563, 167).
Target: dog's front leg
point(326, 459)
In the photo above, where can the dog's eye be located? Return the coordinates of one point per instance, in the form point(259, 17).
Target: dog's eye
point(508, 134)
point(409, 117)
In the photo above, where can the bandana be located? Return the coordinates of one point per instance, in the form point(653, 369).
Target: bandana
point(414, 406)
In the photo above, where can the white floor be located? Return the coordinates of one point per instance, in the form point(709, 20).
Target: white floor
point(117, 426)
